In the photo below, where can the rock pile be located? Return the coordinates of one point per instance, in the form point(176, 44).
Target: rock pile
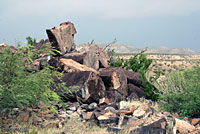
point(107, 96)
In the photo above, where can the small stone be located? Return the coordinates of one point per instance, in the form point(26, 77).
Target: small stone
point(84, 106)
point(92, 106)
point(103, 101)
point(113, 129)
point(75, 114)
point(110, 109)
point(183, 126)
point(72, 108)
point(89, 115)
point(139, 113)
point(102, 117)
point(195, 121)
point(23, 116)
point(69, 112)
point(80, 110)
point(123, 104)
point(134, 122)
point(16, 109)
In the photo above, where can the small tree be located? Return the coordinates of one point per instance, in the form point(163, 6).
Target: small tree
point(139, 63)
point(180, 92)
point(21, 88)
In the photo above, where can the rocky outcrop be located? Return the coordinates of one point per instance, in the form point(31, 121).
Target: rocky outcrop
point(62, 37)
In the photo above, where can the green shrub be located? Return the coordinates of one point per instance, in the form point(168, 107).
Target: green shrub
point(19, 87)
point(180, 92)
point(138, 63)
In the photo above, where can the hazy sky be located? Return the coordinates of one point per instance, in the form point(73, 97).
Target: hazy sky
point(171, 23)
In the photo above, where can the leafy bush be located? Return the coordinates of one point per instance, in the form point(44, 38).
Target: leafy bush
point(18, 87)
point(138, 63)
point(180, 92)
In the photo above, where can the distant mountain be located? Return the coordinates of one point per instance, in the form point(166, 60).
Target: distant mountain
point(124, 48)
point(120, 48)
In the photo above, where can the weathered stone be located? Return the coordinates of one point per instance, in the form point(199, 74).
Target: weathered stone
point(76, 56)
point(23, 116)
point(183, 126)
point(62, 37)
point(158, 127)
point(139, 113)
point(90, 86)
point(91, 60)
point(133, 78)
point(195, 121)
point(69, 112)
point(128, 112)
point(134, 122)
point(111, 121)
point(103, 101)
point(135, 92)
point(110, 109)
point(72, 108)
point(75, 114)
point(73, 66)
point(115, 82)
point(92, 106)
point(100, 52)
point(89, 115)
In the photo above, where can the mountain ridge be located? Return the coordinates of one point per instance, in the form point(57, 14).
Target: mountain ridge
point(126, 48)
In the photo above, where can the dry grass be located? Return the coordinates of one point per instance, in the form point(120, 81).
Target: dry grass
point(74, 126)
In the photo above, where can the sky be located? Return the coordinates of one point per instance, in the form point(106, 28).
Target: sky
point(141, 23)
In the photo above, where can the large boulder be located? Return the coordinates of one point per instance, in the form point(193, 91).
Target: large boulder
point(94, 56)
point(90, 86)
point(115, 82)
point(62, 37)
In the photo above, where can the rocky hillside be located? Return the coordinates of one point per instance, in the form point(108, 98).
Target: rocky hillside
point(124, 48)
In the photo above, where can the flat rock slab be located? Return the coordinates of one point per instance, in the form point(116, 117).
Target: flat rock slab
point(73, 66)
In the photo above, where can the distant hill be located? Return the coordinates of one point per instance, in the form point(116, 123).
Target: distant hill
point(124, 48)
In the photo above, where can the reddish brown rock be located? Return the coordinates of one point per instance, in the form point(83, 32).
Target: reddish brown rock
point(135, 92)
point(104, 101)
point(102, 55)
point(128, 112)
point(115, 82)
point(76, 56)
point(62, 37)
point(195, 121)
point(157, 127)
point(133, 78)
point(90, 86)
